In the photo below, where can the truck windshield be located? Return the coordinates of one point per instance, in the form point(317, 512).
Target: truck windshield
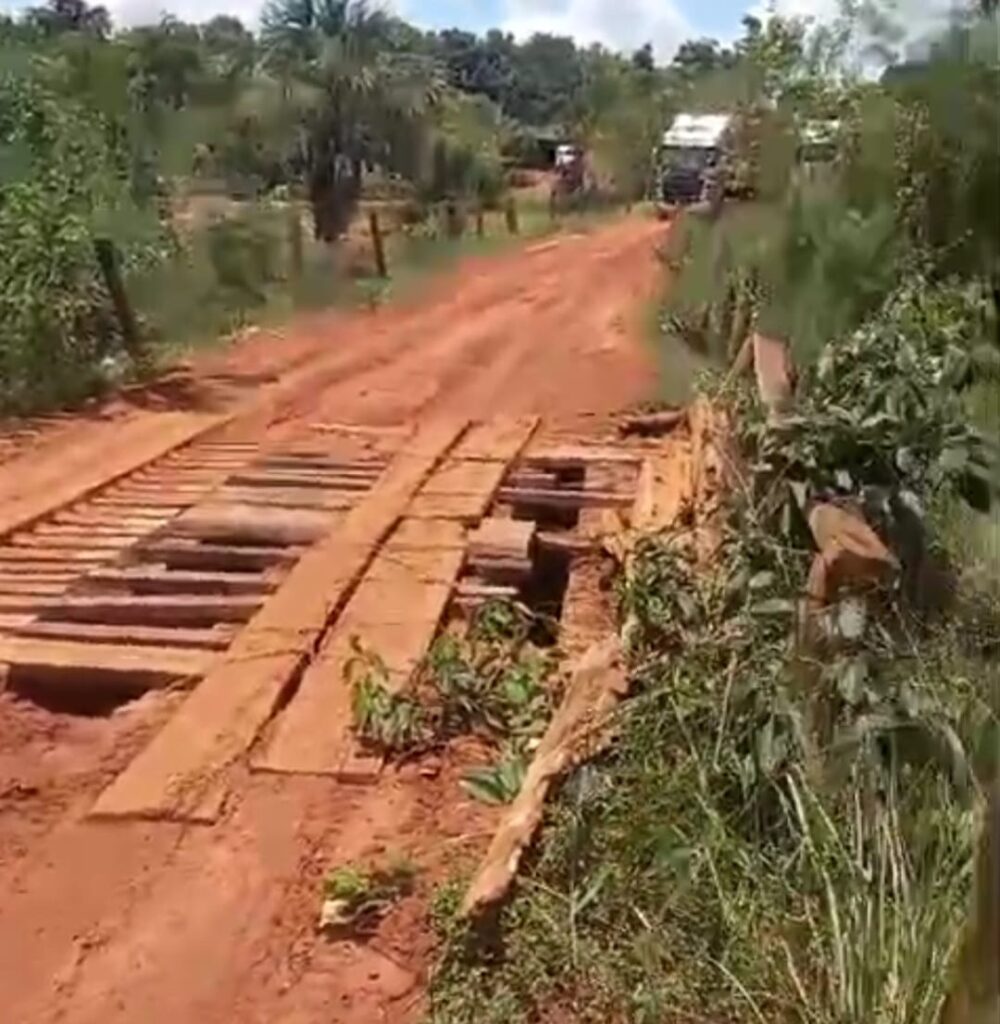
point(687, 158)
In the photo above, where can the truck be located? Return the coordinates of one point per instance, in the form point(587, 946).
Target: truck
point(691, 159)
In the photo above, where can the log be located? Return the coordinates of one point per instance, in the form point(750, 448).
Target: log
point(144, 580)
point(251, 524)
point(180, 553)
point(577, 731)
point(652, 424)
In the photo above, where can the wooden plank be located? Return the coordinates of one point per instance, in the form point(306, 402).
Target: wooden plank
point(558, 498)
point(217, 638)
point(139, 580)
point(463, 508)
point(12, 555)
point(271, 497)
point(91, 530)
point(75, 664)
point(465, 476)
point(501, 438)
point(572, 456)
point(275, 479)
point(152, 504)
point(394, 614)
point(178, 776)
point(111, 520)
point(502, 538)
point(110, 541)
point(31, 586)
point(180, 609)
point(136, 444)
point(182, 553)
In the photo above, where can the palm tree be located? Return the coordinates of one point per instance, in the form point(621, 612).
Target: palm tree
point(359, 102)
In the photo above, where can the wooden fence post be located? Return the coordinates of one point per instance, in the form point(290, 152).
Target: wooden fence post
point(378, 245)
point(295, 239)
point(511, 211)
point(108, 262)
point(480, 226)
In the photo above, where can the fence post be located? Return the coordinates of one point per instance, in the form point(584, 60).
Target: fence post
point(110, 271)
point(480, 226)
point(295, 239)
point(378, 245)
point(511, 212)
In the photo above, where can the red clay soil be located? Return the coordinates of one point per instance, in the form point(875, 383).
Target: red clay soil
point(156, 923)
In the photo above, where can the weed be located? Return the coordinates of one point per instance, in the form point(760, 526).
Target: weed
point(500, 782)
point(357, 897)
point(391, 722)
point(489, 682)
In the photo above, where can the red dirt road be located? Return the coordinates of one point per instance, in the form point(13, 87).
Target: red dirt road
point(126, 922)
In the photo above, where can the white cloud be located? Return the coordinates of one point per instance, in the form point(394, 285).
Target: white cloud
point(146, 12)
point(620, 24)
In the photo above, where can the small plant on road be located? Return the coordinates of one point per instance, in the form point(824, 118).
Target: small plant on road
point(358, 897)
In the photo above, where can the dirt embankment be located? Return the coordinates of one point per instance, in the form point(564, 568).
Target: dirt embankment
point(159, 923)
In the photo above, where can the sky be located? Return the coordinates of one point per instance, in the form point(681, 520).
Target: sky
point(621, 24)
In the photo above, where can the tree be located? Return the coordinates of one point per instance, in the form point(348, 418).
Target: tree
point(356, 99)
point(643, 59)
point(71, 16)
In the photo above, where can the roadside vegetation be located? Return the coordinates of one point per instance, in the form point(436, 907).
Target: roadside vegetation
point(789, 823)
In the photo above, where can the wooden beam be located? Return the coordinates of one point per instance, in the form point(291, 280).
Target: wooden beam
point(559, 498)
point(218, 638)
point(180, 609)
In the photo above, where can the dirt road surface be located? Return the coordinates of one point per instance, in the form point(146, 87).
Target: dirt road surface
point(159, 923)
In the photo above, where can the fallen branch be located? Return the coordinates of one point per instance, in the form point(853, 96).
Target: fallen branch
point(577, 731)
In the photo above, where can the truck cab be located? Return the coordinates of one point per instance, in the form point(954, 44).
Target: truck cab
point(690, 160)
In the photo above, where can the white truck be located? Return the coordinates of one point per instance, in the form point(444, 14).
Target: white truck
point(691, 158)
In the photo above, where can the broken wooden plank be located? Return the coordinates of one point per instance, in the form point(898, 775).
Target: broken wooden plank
point(111, 608)
point(576, 732)
point(217, 638)
point(75, 664)
point(177, 776)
